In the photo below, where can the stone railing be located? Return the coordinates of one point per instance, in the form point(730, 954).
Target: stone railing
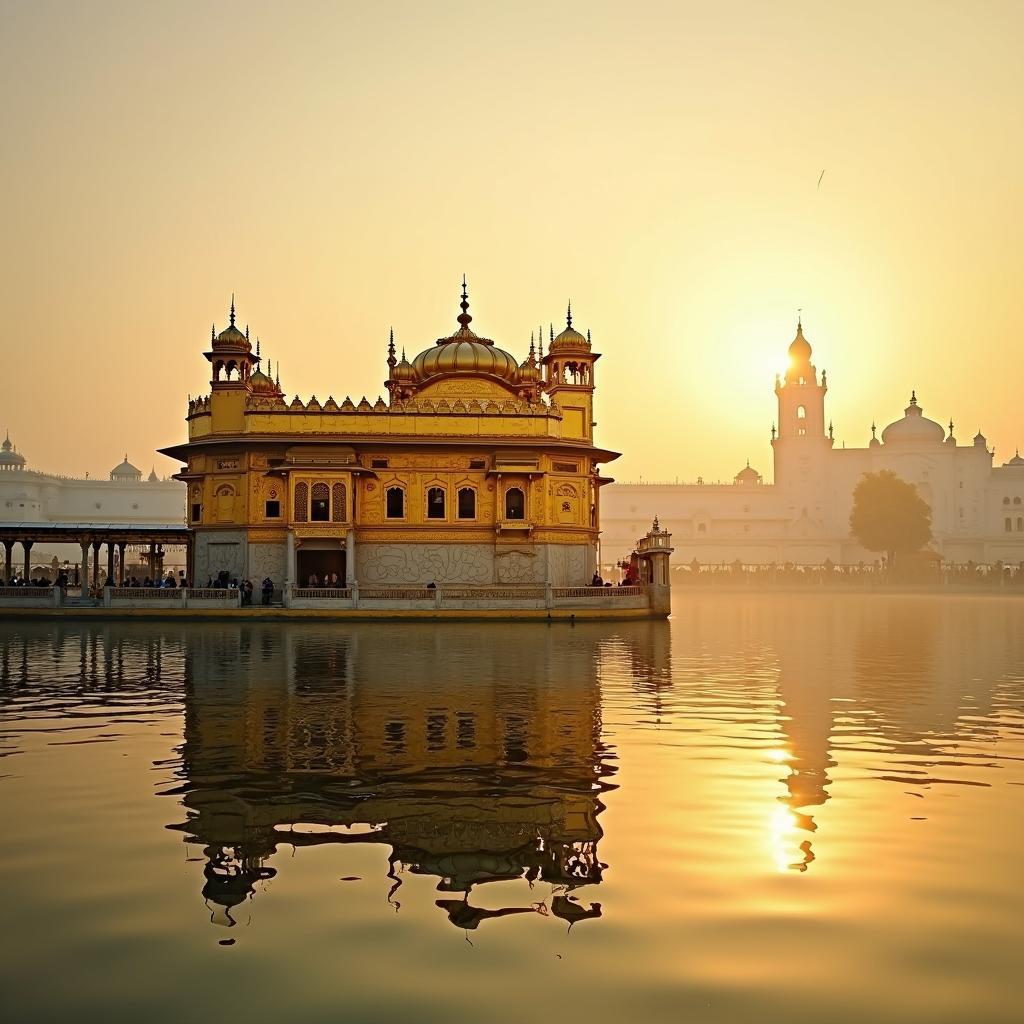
point(322, 593)
point(398, 594)
point(564, 593)
point(26, 592)
point(514, 592)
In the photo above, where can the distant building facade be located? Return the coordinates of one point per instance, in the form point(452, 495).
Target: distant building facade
point(804, 516)
point(476, 469)
point(29, 496)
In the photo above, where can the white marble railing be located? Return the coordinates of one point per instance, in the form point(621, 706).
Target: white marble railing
point(596, 592)
point(322, 593)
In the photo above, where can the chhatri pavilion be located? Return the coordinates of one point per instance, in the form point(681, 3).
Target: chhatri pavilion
point(477, 468)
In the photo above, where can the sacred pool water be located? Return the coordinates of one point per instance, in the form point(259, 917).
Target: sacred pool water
point(767, 809)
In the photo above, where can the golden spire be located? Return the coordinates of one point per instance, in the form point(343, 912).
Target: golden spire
point(231, 319)
point(464, 318)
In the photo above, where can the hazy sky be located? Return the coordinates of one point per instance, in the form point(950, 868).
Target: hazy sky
point(340, 165)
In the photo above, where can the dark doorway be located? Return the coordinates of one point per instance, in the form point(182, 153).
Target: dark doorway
point(321, 564)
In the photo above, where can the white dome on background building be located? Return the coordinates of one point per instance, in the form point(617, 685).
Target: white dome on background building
point(10, 458)
point(126, 471)
point(914, 428)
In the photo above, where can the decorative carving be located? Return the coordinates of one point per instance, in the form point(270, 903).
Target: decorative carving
point(420, 563)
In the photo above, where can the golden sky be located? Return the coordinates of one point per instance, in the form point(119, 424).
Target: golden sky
point(339, 166)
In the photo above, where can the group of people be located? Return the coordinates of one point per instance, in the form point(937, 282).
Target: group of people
point(329, 580)
point(629, 580)
point(225, 581)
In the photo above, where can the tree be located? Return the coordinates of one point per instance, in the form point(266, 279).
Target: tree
point(889, 515)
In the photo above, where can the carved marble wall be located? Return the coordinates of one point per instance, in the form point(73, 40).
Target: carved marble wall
point(417, 564)
point(267, 560)
point(215, 551)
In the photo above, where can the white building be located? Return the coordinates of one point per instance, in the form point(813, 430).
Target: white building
point(803, 517)
point(28, 496)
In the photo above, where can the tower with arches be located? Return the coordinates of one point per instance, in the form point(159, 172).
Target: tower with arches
point(569, 379)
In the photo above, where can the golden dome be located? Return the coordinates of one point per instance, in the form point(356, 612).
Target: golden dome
point(570, 338)
point(231, 337)
point(465, 352)
point(403, 371)
point(261, 384)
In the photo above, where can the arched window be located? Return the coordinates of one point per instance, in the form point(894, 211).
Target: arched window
point(320, 504)
point(801, 412)
point(339, 501)
point(1020, 524)
point(1016, 501)
point(435, 503)
point(395, 503)
point(467, 503)
point(515, 503)
point(301, 503)
point(1008, 524)
point(1006, 501)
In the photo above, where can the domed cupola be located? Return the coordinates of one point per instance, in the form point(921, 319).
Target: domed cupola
point(126, 472)
point(1016, 462)
point(9, 458)
point(914, 428)
point(529, 371)
point(231, 338)
point(800, 368)
point(570, 340)
point(748, 476)
point(464, 352)
point(262, 384)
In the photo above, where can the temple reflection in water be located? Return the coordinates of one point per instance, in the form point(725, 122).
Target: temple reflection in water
point(488, 770)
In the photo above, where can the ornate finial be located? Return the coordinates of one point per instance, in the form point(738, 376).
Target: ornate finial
point(588, 335)
point(773, 431)
point(464, 318)
point(568, 316)
point(277, 378)
point(913, 397)
point(213, 332)
point(551, 332)
point(951, 424)
point(873, 429)
point(403, 354)
point(257, 342)
point(270, 366)
point(830, 429)
point(533, 351)
point(799, 320)
point(391, 347)
point(656, 528)
point(231, 318)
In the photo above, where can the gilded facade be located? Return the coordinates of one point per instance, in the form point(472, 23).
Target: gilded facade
point(475, 469)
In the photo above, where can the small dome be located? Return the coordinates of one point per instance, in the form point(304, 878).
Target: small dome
point(231, 337)
point(125, 471)
point(979, 440)
point(748, 475)
point(403, 371)
point(914, 428)
point(570, 338)
point(1016, 462)
point(9, 458)
point(800, 347)
point(261, 384)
